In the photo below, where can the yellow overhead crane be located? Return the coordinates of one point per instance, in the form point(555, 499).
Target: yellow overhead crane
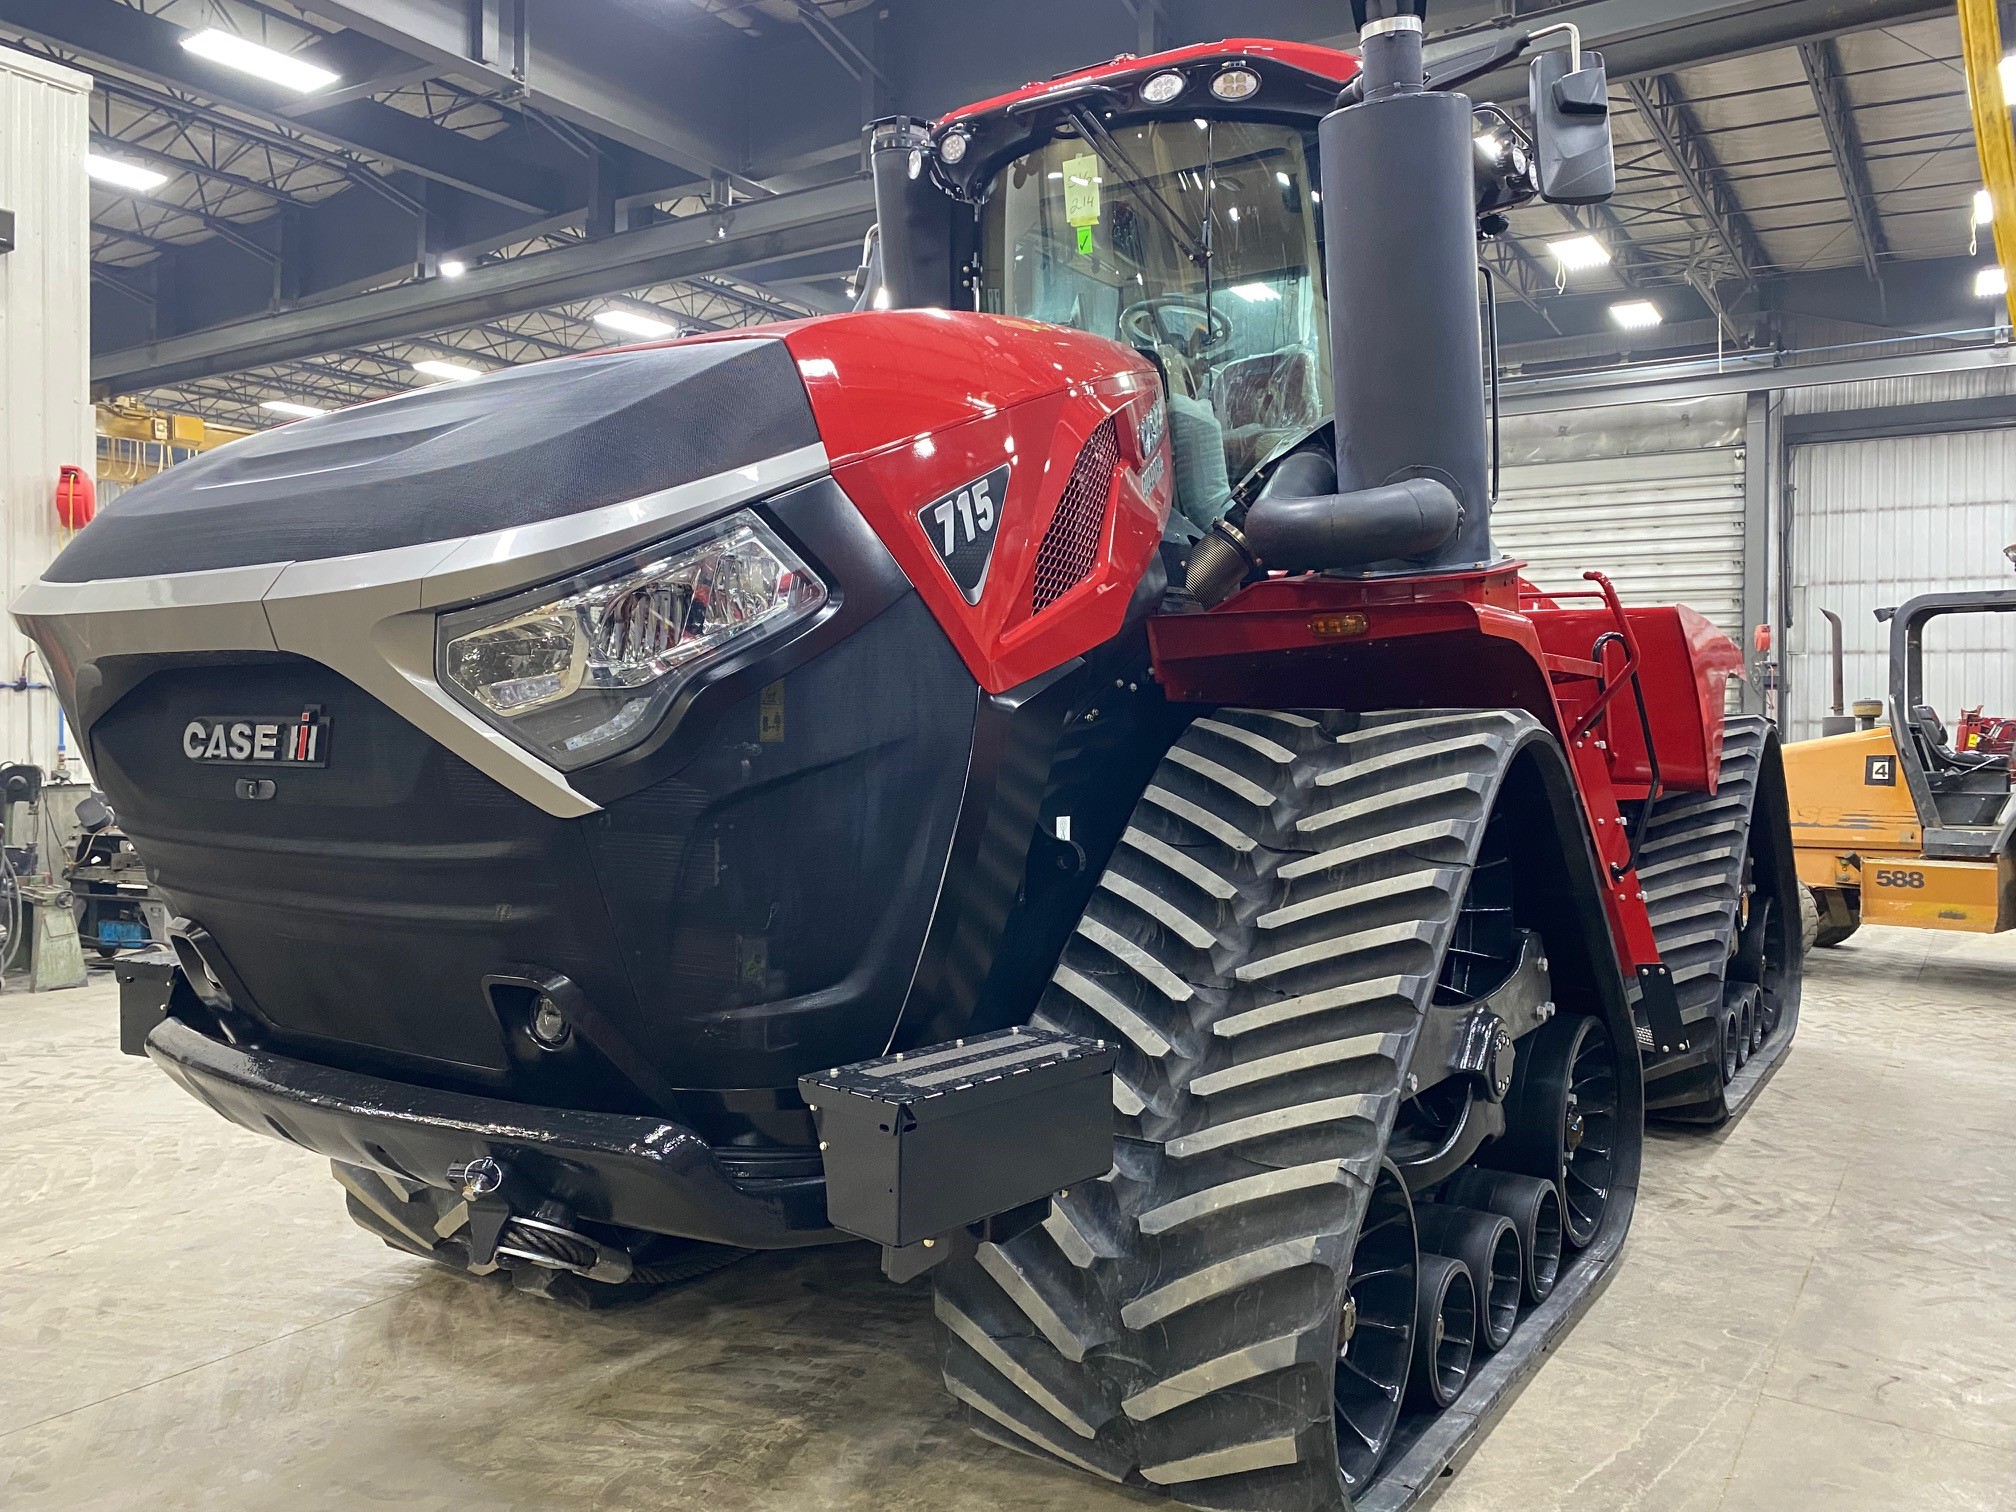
point(1981, 54)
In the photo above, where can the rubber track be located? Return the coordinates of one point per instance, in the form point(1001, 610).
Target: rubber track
point(1691, 868)
point(1262, 947)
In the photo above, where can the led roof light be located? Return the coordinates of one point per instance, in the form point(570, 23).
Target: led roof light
point(1636, 314)
point(447, 372)
point(631, 323)
point(1578, 254)
point(1163, 88)
point(953, 148)
point(275, 67)
point(1236, 84)
point(121, 174)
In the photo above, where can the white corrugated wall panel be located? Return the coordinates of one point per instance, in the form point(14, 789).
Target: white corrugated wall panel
point(1666, 526)
point(1919, 388)
point(45, 365)
point(1876, 522)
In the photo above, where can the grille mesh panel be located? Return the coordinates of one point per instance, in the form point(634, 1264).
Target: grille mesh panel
point(1071, 545)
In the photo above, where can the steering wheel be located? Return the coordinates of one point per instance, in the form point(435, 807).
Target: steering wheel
point(1178, 320)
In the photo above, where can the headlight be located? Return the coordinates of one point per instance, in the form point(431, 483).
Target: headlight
point(581, 670)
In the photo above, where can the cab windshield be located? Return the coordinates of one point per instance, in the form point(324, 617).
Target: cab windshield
point(1197, 240)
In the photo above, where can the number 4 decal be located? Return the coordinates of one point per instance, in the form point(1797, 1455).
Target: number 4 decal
point(961, 529)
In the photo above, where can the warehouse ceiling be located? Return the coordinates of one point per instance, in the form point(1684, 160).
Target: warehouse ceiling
point(486, 178)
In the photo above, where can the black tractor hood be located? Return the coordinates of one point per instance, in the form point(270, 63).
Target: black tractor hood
point(509, 449)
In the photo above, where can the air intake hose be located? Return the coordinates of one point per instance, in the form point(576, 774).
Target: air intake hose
point(1342, 530)
point(1300, 523)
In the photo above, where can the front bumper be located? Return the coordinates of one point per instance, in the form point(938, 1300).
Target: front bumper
point(641, 1173)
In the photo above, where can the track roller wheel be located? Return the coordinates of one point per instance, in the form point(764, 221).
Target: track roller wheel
point(1745, 1013)
point(1376, 1329)
point(1533, 1207)
point(1560, 1119)
point(1488, 1246)
point(1729, 1041)
point(1445, 1331)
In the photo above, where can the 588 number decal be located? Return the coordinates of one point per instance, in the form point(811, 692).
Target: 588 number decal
point(1897, 877)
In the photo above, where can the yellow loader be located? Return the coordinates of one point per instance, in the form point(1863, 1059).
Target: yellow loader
point(1902, 823)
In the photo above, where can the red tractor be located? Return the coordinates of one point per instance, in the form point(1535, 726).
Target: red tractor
point(1047, 773)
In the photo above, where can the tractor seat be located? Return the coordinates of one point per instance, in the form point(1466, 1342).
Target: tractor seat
point(1931, 732)
point(1262, 400)
point(1946, 769)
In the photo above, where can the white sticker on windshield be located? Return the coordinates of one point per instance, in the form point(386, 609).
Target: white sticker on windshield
point(1081, 191)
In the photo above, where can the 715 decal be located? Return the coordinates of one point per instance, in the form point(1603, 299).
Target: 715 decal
point(961, 529)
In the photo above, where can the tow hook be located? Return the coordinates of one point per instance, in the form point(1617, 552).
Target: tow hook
point(544, 1237)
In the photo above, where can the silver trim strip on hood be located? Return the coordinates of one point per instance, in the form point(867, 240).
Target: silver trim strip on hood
point(370, 617)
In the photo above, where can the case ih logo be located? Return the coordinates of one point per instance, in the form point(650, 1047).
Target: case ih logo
point(297, 740)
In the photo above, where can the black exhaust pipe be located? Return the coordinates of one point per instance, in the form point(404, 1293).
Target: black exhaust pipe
point(1411, 492)
point(923, 235)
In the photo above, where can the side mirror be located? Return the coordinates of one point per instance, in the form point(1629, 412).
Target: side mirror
point(1568, 94)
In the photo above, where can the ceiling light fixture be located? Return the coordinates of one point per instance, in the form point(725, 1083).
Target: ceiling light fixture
point(447, 372)
point(1990, 283)
point(1578, 254)
point(121, 174)
point(290, 408)
point(631, 323)
point(2007, 69)
point(453, 267)
point(275, 67)
point(1636, 314)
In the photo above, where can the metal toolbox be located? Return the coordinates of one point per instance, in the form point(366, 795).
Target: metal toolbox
point(925, 1143)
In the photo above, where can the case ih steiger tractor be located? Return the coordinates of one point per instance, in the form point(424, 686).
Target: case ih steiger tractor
point(1051, 777)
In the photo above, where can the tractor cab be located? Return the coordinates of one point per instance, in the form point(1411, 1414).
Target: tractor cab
point(1960, 790)
point(1172, 204)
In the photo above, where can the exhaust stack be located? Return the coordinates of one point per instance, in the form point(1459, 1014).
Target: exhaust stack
point(1401, 265)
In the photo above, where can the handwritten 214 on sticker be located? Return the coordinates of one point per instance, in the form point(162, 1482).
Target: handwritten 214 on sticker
point(255, 740)
point(961, 528)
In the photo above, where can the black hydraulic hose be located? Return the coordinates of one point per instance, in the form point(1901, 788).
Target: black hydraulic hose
point(1405, 519)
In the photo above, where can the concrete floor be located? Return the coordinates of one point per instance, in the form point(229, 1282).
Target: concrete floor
point(1815, 1311)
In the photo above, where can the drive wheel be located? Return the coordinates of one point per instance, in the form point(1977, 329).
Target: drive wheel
point(1229, 1312)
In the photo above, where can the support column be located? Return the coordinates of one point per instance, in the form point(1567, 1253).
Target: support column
point(46, 420)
